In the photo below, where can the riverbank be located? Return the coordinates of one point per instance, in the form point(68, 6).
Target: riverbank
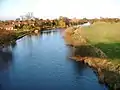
point(107, 69)
point(15, 35)
point(8, 37)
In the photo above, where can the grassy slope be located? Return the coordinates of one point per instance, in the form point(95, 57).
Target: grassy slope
point(105, 36)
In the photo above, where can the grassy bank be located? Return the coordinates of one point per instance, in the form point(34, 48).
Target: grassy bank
point(98, 46)
point(20, 34)
point(7, 37)
point(104, 36)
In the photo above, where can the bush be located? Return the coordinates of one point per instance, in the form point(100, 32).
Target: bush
point(6, 36)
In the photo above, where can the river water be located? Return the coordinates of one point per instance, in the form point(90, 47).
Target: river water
point(41, 62)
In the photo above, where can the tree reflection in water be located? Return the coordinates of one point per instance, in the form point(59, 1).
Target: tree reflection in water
point(5, 62)
point(5, 58)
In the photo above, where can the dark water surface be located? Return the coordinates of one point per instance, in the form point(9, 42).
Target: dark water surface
point(41, 62)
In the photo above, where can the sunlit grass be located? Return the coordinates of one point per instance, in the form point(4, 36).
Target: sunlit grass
point(105, 36)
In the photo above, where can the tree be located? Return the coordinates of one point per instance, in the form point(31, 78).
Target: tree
point(22, 17)
point(17, 19)
point(56, 22)
point(29, 15)
point(62, 21)
point(37, 22)
point(66, 20)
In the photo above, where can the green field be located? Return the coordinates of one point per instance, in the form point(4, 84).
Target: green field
point(105, 36)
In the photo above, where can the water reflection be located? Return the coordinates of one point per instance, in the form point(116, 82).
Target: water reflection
point(13, 44)
point(5, 58)
point(79, 67)
point(48, 32)
point(41, 62)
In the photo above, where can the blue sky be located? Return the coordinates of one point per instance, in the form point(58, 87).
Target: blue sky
point(11, 9)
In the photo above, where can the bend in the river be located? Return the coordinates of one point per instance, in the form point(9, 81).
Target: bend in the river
point(41, 62)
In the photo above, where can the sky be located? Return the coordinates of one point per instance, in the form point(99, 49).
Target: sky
point(11, 9)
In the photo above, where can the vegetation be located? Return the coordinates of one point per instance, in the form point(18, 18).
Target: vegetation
point(29, 23)
point(32, 23)
point(6, 36)
point(106, 37)
point(98, 46)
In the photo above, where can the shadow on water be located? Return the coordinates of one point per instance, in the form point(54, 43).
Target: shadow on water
point(112, 50)
point(48, 32)
point(81, 71)
point(13, 44)
point(5, 58)
point(78, 66)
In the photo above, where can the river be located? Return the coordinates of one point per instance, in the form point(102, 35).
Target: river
point(41, 62)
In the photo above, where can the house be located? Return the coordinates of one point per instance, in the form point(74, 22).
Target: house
point(1, 26)
point(24, 22)
point(32, 23)
point(18, 23)
point(8, 27)
point(86, 24)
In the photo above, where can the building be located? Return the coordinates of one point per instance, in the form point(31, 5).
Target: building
point(8, 27)
point(1, 26)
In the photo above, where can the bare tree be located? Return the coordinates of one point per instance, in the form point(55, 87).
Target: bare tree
point(22, 17)
point(29, 15)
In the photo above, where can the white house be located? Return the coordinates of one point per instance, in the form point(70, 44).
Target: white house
point(86, 24)
point(9, 27)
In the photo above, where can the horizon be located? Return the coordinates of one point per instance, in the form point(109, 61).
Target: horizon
point(51, 9)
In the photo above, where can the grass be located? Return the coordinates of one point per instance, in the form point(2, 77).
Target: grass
point(105, 36)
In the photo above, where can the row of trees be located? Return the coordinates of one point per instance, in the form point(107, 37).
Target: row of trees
point(62, 22)
point(33, 23)
point(108, 20)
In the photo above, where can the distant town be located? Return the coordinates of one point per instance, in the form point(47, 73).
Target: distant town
point(29, 22)
point(18, 28)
